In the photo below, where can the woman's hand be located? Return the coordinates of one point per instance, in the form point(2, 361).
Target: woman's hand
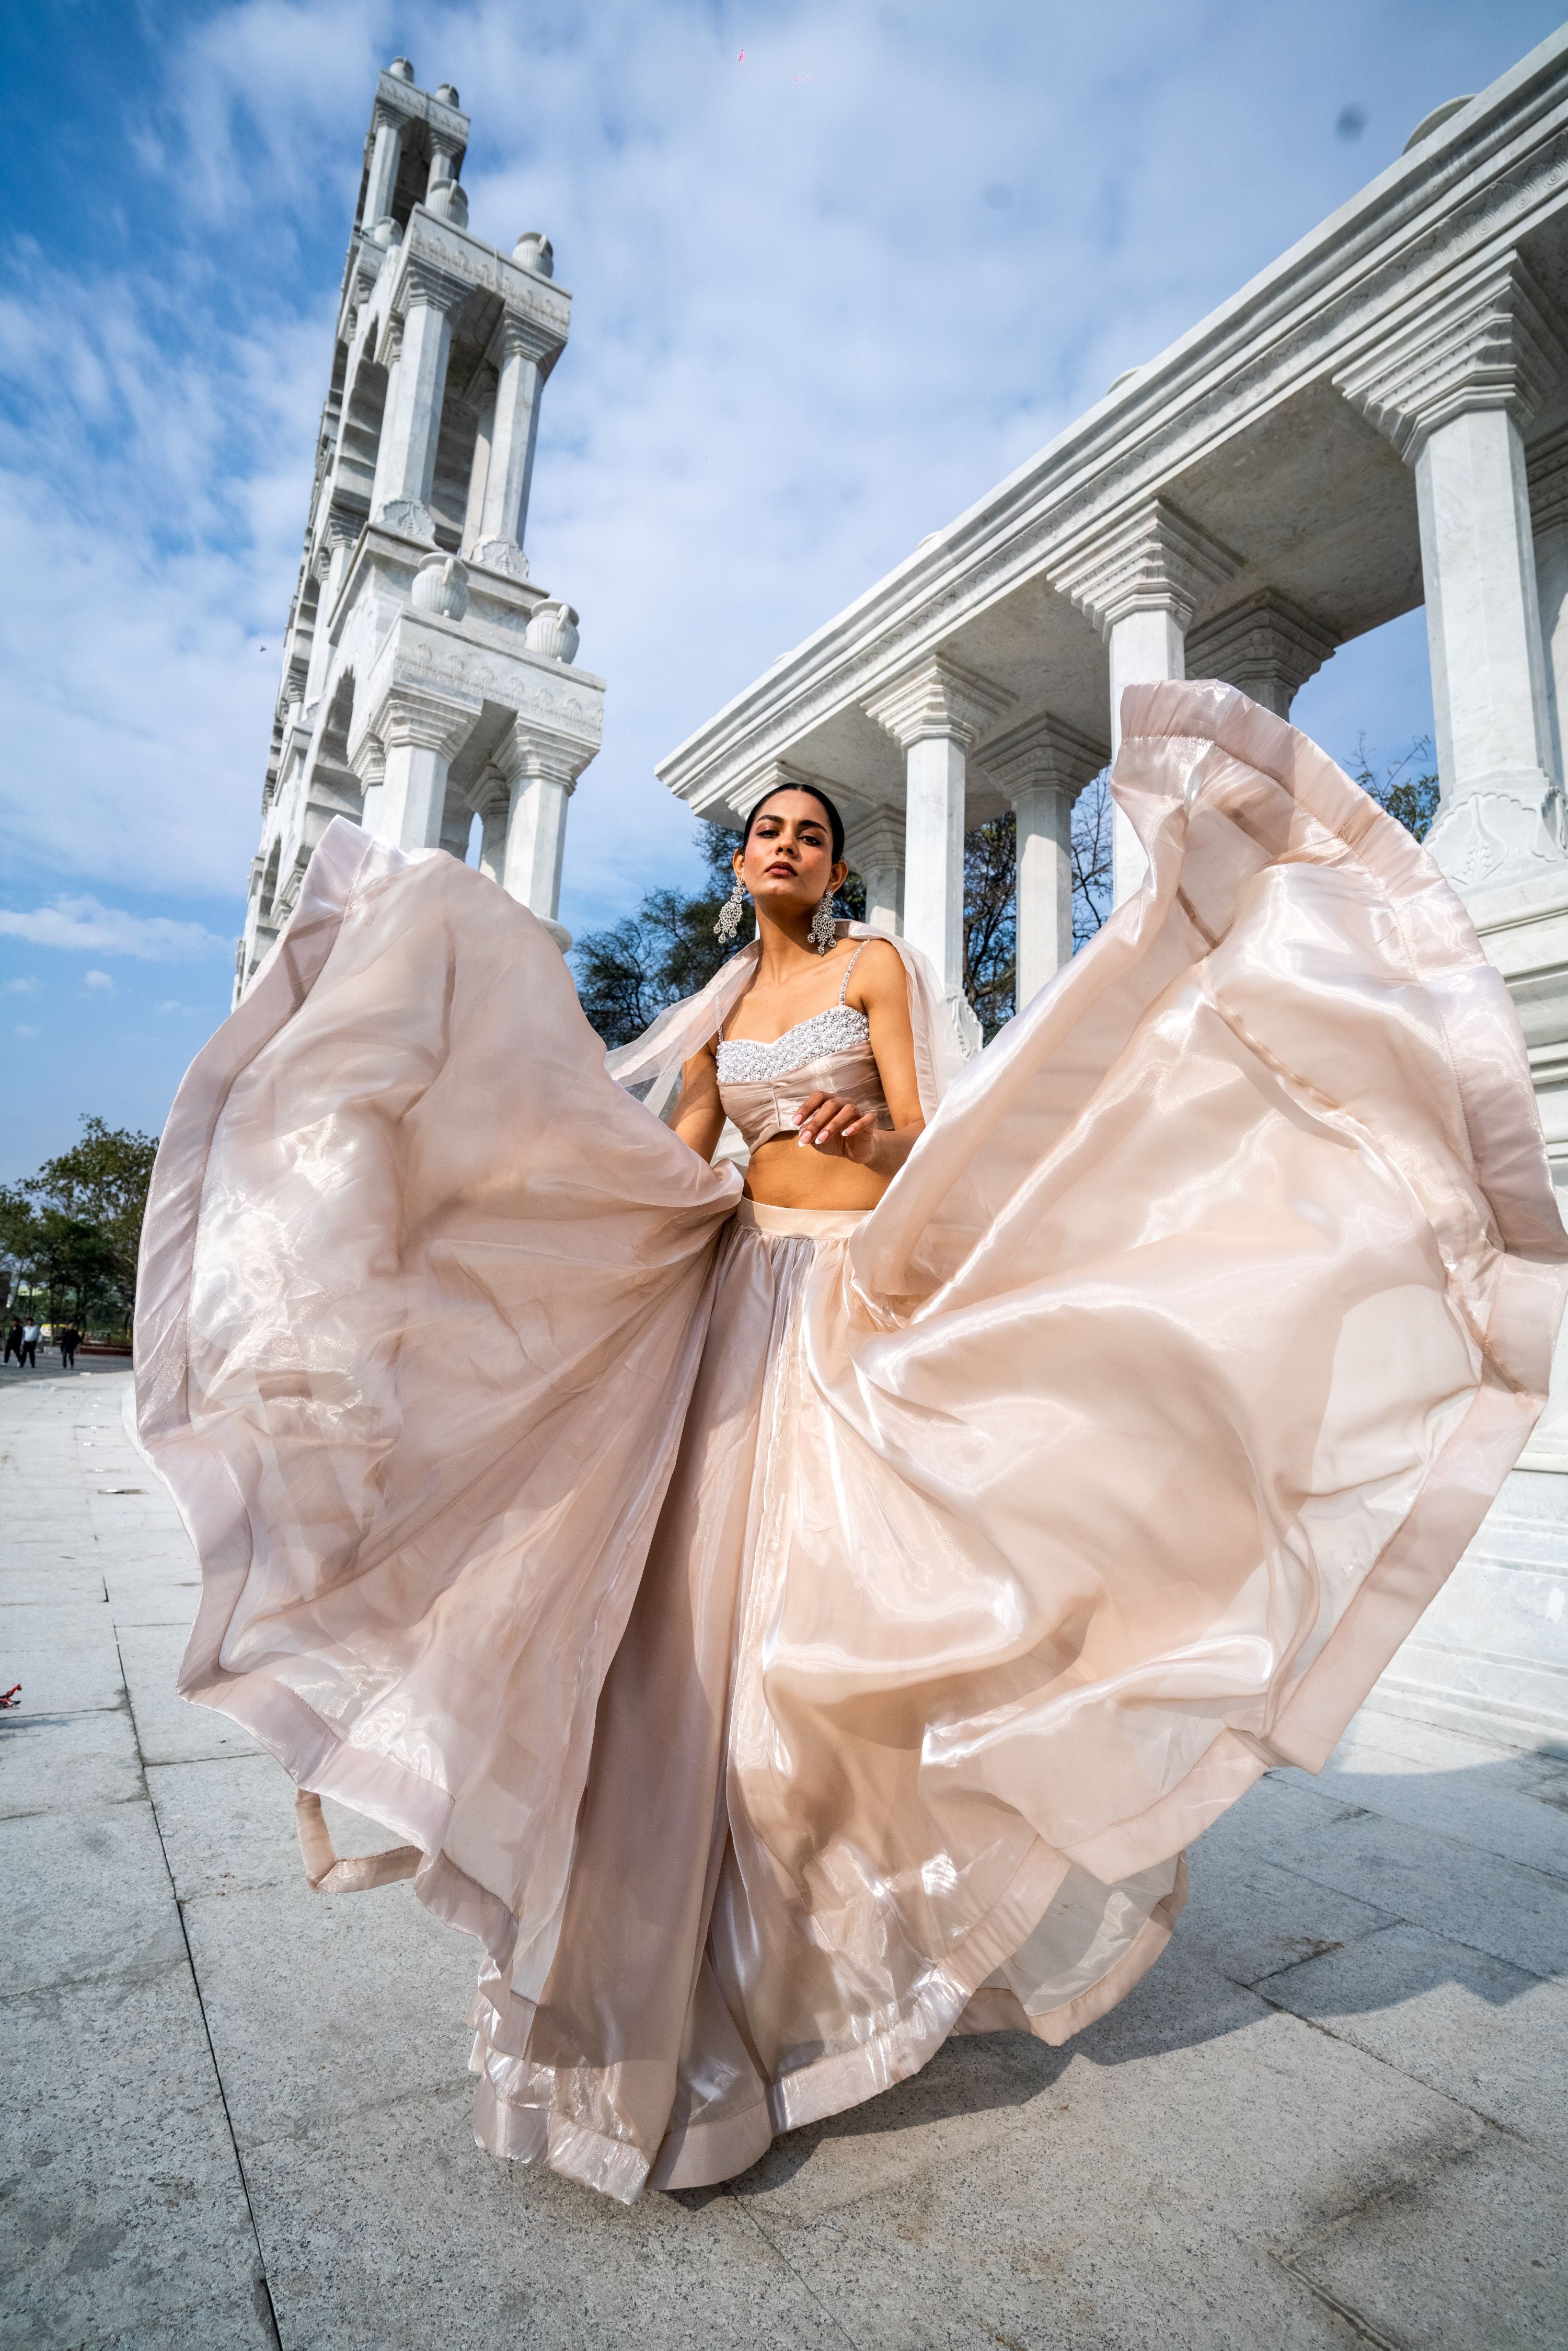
point(827, 1121)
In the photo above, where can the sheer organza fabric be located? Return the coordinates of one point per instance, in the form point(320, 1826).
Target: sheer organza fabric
point(789, 1642)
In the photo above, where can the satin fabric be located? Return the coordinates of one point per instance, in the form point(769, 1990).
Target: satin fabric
point(787, 1645)
point(763, 1107)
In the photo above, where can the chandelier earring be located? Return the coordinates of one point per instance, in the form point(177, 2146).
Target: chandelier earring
point(729, 913)
point(823, 931)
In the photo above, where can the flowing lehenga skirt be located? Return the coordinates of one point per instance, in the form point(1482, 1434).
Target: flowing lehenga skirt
point(787, 1640)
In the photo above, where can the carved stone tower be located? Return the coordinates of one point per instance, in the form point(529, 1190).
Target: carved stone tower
point(427, 678)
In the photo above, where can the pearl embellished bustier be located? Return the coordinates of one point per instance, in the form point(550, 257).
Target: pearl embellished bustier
point(763, 1088)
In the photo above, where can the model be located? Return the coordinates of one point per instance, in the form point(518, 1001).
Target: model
point(793, 1621)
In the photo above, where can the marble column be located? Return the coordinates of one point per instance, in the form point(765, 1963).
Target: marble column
point(509, 466)
point(405, 463)
point(494, 802)
point(873, 848)
point(331, 560)
point(1267, 646)
point(935, 713)
point(540, 771)
point(386, 153)
point(368, 759)
point(1452, 387)
point(1041, 767)
point(1140, 578)
point(479, 470)
point(421, 733)
point(1548, 485)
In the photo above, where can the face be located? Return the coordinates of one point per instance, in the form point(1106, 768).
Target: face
point(788, 862)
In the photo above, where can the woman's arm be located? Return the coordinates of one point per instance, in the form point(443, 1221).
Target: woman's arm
point(882, 992)
point(699, 1113)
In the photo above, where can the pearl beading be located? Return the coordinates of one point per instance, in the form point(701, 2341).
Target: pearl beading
point(744, 1062)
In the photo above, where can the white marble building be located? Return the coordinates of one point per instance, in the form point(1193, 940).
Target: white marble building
point(427, 679)
point(1378, 420)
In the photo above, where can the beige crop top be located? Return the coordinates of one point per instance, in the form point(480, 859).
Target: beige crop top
point(763, 1087)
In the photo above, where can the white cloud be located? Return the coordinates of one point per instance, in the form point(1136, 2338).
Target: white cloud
point(85, 924)
point(807, 330)
point(28, 987)
point(24, 1032)
point(98, 981)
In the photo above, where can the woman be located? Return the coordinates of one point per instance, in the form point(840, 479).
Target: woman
point(797, 1621)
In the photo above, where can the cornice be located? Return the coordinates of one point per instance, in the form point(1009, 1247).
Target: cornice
point(1154, 558)
point(1266, 642)
point(1480, 182)
point(940, 699)
point(1489, 340)
point(1043, 751)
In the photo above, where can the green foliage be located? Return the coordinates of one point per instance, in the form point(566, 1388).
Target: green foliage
point(1407, 787)
point(69, 1236)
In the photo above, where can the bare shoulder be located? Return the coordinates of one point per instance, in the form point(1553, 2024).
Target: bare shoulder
point(878, 979)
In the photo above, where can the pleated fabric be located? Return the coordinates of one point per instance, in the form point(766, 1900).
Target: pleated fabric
point(788, 1640)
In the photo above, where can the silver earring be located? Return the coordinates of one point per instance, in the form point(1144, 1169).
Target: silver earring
point(823, 931)
point(728, 921)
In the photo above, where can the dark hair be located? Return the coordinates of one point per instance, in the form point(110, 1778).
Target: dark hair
point(835, 822)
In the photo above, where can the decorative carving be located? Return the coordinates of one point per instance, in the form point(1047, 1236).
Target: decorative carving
point(1151, 559)
point(441, 585)
point(1487, 340)
point(1043, 750)
point(939, 698)
point(552, 631)
point(426, 282)
point(1268, 646)
point(520, 335)
point(502, 555)
point(530, 754)
point(408, 517)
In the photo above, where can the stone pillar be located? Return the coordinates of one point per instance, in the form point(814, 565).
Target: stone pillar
point(479, 473)
point(405, 463)
point(1452, 386)
point(1548, 485)
point(540, 771)
point(421, 733)
point(495, 811)
point(1140, 578)
point(1042, 765)
point(444, 154)
point(874, 847)
point(331, 560)
point(386, 153)
point(369, 761)
point(509, 470)
point(1267, 646)
point(935, 714)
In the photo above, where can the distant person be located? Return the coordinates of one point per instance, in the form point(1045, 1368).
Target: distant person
point(13, 1344)
point(31, 1334)
point(70, 1339)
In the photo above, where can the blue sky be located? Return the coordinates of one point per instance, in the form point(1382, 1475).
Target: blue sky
point(826, 293)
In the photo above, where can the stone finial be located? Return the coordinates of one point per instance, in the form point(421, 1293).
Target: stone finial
point(1153, 559)
point(400, 69)
point(441, 585)
point(1268, 646)
point(448, 200)
point(553, 632)
point(941, 698)
point(386, 232)
point(1487, 340)
point(447, 93)
point(533, 250)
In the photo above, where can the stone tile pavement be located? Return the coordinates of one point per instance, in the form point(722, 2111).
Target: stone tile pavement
point(236, 2114)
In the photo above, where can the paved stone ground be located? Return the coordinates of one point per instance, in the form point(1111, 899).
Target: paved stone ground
point(236, 2114)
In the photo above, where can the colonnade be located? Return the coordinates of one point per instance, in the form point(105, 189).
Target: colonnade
point(1455, 391)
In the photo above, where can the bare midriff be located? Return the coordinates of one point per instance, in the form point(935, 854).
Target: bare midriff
point(781, 1174)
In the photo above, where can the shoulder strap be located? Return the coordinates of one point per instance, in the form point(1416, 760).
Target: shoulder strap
point(849, 967)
